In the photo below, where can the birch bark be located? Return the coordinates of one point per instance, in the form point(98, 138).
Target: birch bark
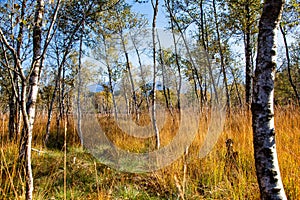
point(33, 92)
point(155, 11)
point(266, 161)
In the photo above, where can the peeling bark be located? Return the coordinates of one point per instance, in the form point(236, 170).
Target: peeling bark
point(29, 116)
point(266, 161)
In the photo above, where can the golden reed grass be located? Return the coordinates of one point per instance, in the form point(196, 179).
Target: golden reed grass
point(187, 178)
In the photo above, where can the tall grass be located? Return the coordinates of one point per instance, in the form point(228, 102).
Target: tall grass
point(80, 176)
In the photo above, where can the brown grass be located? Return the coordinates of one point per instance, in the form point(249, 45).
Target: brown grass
point(187, 178)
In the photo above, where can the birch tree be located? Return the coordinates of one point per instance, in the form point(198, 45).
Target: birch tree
point(29, 78)
point(153, 103)
point(70, 32)
point(223, 68)
point(126, 20)
point(266, 161)
point(242, 20)
point(288, 27)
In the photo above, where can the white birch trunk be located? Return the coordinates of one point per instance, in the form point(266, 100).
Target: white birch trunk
point(155, 10)
point(110, 78)
point(79, 114)
point(33, 92)
point(266, 161)
point(29, 85)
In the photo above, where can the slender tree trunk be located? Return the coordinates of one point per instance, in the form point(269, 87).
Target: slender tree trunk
point(289, 65)
point(110, 74)
point(202, 14)
point(128, 67)
point(249, 71)
point(155, 11)
point(14, 107)
point(50, 110)
point(29, 87)
point(57, 80)
point(204, 44)
point(248, 55)
point(127, 104)
point(266, 161)
point(178, 66)
point(58, 77)
point(164, 76)
point(62, 98)
point(17, 90)
point(33, 92)
point(13, 110)
point(222, 56)
point(210, 72)
point(60, 65)
point(196, 74)
point(236, 87)
point(79, 93)
point(58, 114)
point(141, 69)
point(111, 89)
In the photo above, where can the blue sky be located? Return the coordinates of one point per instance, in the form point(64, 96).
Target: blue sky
point(146, 9)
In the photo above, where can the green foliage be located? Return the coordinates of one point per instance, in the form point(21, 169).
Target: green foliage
point(242, 14)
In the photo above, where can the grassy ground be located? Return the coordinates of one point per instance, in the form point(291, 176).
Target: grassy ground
point(78, 175)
